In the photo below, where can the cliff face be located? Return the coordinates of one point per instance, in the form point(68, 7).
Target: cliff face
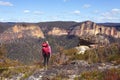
point(57, 29)
point(58, 32)
point(21, 31)
point(82, 29)
point(91, 28)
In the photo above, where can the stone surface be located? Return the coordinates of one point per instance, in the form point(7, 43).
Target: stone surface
point(70, 70)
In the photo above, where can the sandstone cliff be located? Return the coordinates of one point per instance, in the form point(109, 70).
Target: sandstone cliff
point(91, 28)
point(58, 32)
point(21, 31)
point(80, 29)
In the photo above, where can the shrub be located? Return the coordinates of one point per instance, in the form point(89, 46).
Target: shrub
point(91, 56)
point(2, 50)
point(93, 75)
point(109, 53)
point(112, 74)
point(70, 52)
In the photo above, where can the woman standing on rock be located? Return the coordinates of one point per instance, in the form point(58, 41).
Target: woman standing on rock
point(46, 52)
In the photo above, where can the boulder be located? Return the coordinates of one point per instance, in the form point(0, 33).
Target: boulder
point(82, 49)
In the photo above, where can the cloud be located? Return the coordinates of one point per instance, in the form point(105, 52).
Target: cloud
point(53, 18)
point(96, 11)
point(38, 12)
point(33, 12)
point(109, 16)
point(26, 11)
point(86, 5)
point(1, 19)
point(18, 19)
point(108, 19)
point(111, 13)
point(76, 12)
point(115, 11)
point(3, 3)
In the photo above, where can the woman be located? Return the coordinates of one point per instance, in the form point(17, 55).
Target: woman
point(46, 52)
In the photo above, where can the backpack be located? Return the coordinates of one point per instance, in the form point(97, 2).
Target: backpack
point(45, 48)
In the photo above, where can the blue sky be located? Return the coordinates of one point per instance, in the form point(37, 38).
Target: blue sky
point(59, 10)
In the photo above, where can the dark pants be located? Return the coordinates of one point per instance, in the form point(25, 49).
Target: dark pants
point(46, 59)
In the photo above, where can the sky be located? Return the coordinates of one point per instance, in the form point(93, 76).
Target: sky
point(99, 11)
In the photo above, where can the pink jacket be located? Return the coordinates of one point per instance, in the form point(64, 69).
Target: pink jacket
point(46, 48)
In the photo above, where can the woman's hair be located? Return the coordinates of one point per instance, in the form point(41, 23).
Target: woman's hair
point(47, 42)
point(44, 44)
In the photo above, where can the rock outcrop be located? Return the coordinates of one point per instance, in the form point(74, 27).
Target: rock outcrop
point(91, 28)
point(67, 72)
point(58, 32)
point(21, 31)
point(81, 49)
